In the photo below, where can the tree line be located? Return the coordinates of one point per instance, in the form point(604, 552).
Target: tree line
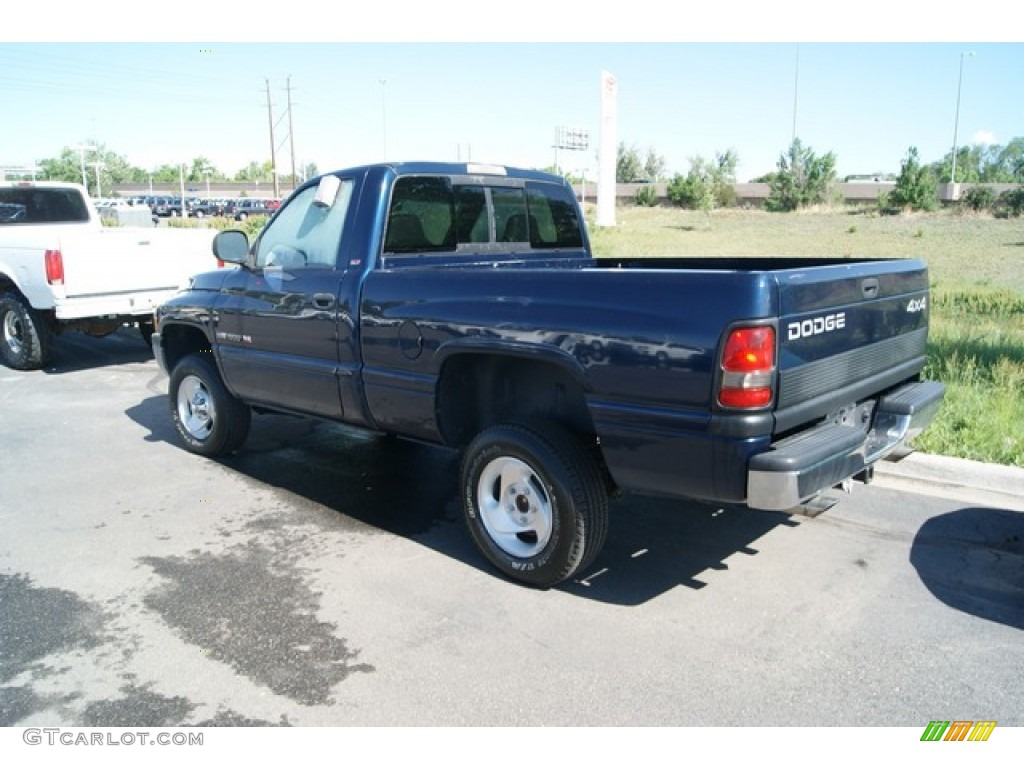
point(803, 178)
point(100, 168)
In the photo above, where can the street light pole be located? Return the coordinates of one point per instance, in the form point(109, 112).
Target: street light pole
point(96, 166)
point(82, 149)
point(956, 118)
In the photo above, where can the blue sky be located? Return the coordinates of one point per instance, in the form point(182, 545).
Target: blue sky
point(444, 98)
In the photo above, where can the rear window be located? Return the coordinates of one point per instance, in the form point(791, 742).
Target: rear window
point(31, 205)
point(435, 213)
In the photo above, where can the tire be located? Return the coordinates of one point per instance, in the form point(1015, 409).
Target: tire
point(535, 502)
point(209, 419)
point(24, 336)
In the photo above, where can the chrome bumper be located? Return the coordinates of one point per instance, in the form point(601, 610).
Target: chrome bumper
point(802, 466)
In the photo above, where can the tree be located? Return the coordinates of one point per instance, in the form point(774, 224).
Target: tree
point(1007, 163)
point(984, 164)
point(802, 179)
point(628, 166)
point(102, 166)
point(654, 165)
point(256, 172)
point(201, 169)
point(915, 186)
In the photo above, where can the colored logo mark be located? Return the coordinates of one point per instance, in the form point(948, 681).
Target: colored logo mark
point(958, 730)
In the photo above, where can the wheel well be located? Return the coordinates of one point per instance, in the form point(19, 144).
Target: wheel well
point(475, 391)
point(181, 340)
point(9, 286)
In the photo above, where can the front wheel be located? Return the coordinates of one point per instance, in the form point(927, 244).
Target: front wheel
point(24, 336)
point(209, 419)
point(535, 502)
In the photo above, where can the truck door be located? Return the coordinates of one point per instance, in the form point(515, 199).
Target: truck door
point(279, 323)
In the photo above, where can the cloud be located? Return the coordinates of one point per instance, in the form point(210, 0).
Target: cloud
point(984, 138)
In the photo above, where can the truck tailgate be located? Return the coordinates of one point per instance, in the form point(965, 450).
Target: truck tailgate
point(846, 332)
point(121, 260)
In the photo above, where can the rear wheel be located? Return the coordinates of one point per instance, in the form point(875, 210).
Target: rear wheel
point(209, 419)
point(24, 337)
point(535, 501)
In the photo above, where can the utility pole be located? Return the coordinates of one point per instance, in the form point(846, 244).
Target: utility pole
point(273, 145)
point(796, 91)
point(291, 134)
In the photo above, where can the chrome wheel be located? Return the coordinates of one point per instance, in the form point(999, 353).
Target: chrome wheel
point(13, 333)
point(209, 419)
point(196, 411)
point(514, 507)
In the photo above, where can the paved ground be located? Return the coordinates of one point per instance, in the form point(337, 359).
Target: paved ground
point(323, 577)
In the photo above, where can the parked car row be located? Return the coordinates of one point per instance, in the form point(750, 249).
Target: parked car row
point(167, 206)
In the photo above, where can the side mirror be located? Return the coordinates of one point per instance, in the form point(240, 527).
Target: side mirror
point(327, 191)
point(231, 246)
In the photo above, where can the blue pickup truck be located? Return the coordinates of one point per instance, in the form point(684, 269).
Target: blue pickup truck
point(460, 304)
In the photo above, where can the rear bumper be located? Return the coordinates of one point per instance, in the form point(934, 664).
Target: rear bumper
point(802, 466)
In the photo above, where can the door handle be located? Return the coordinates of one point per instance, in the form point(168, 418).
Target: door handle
point(323, 300)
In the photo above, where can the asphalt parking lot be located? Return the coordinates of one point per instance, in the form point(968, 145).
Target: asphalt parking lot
point(323, 577)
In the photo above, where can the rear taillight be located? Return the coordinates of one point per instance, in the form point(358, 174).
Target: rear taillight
point(54, 268)
point(748, 368)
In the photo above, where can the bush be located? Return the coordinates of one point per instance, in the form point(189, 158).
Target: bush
point(646, 196)
point(686, 191)
point(1011, 202)
point(979, 198)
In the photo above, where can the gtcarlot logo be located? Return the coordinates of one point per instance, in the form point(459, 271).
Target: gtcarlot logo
point(958, 730)
point(74, 737)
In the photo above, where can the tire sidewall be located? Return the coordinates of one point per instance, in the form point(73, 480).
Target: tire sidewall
point(556, 560)
point(220, 435)
point(33, 343)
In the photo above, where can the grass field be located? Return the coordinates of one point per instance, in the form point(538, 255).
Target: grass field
point(976, 265)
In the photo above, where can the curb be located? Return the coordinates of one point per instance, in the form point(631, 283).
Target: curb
point(993, 485)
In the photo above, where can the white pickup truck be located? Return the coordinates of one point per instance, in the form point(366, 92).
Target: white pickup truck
point(61, 269)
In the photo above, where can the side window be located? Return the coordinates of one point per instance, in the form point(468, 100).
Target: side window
point(305, 234)
point(554, 218)
point(422, 216)
point(511, 224)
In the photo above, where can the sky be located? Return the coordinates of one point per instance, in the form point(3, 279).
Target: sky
point(409, 88)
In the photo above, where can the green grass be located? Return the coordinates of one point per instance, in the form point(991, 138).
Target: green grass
point(976, 266)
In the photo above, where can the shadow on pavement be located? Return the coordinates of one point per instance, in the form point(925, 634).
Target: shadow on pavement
point(411, 490)
point(76, 351)
point(973, 560)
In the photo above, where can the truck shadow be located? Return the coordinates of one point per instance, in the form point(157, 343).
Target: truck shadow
point(76, 351)
point(973, 560)
point(411, 490)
